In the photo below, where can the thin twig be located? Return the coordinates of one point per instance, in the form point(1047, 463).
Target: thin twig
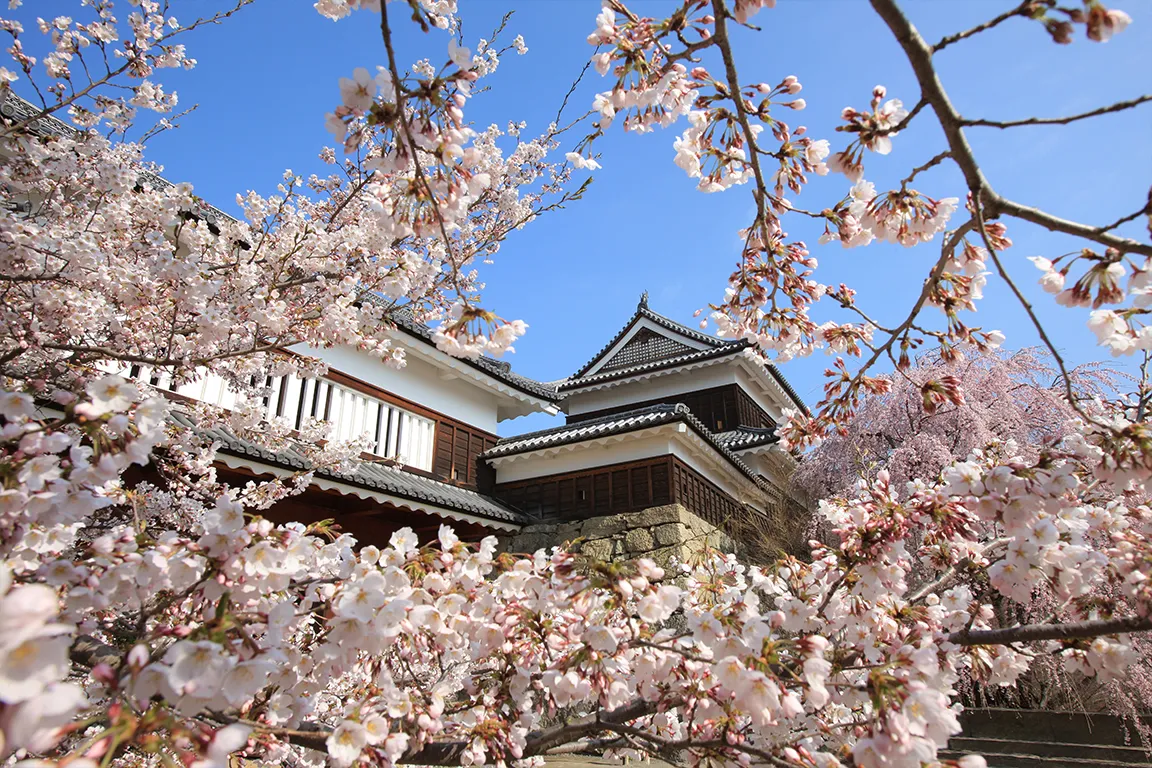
point(571, 90)
point(907, 119)
point(1021, 10)
point(1117, 107)
point(921, 168)
point(1145, 211)
point(919, 56)
point(1072, 400)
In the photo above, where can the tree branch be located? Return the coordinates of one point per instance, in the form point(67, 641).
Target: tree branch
point(921, 168)
point(920, 58)
point(448, 753)
point(1021, 10)
point(1117, 107)
point(932, 90)
point(1009, 208)
point(1078, 630)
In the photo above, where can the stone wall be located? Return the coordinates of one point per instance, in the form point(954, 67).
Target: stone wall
point(661, 533)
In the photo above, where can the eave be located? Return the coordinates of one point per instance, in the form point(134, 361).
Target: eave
point(233, 461)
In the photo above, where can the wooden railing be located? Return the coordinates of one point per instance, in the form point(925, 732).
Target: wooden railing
point(394, 432)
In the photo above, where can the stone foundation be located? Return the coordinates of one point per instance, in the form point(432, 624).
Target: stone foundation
point(661, 533)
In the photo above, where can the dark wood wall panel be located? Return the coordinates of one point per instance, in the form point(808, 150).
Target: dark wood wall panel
point(749, 413)
point(621, 488)
point(720, 408)
point(703, 497)
point(609, 490)
point(458, 449)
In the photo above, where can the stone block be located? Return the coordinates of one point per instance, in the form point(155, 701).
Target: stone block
point(670, 534)
point(530, 542)
point(639, 540)
point(653, 516)
point(567, 532)
point(665, 556)
point(603, 527)
point(597, 549)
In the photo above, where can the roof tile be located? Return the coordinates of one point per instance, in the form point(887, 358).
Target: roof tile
point(372, 476)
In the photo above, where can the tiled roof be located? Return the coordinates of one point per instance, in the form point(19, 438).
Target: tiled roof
point(618, 423)
point(747, 437)
point(368, 475)
point(642, 311)
point(663, 356)
point(16, 108)
point(695, 356)
point(497, 369)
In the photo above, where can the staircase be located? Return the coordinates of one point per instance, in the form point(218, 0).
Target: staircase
point(1013, 738)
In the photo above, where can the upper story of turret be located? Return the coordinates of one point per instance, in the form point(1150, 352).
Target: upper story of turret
point(654, 360)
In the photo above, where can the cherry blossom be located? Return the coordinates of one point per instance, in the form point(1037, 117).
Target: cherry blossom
point(170, 617)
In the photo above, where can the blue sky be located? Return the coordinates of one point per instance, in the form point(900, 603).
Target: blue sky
point(267, 76)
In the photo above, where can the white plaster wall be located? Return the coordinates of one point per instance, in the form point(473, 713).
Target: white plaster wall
point(649, 389)
point(718, 374)
point(757, 462)
point(418, 381)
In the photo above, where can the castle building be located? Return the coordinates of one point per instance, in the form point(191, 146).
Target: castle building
point(670, 437)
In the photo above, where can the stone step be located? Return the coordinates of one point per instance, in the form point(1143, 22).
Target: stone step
point(1072, 753)
point(1042, 726)
point(998, 760)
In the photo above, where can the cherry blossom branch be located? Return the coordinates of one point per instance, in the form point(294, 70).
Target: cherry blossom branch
point(946, 255)
point(1117, 107)
point(105, 353)
point(448, 753)
point(1034, 215)
point(1079, 630)
point(418, 170)
point(921, 168)
point(1021, 10)
point(1059, 360)
point(951, 574)
point(919, 56)
point(907, 119)
point(113, 74)
point(720, 38)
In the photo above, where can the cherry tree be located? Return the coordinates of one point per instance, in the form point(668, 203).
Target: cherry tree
point(1014, 405)
point(912, 432)
point(139, 642)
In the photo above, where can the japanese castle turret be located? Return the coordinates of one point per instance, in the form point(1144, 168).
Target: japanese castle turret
point(670, 444)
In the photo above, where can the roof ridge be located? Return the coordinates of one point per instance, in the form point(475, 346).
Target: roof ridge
point(746, 428)
point(655, 408)
point(576, 382)
point(679, 327)
point(642, 311)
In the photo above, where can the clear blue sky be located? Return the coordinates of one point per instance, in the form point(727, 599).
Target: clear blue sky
point(267, 77)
